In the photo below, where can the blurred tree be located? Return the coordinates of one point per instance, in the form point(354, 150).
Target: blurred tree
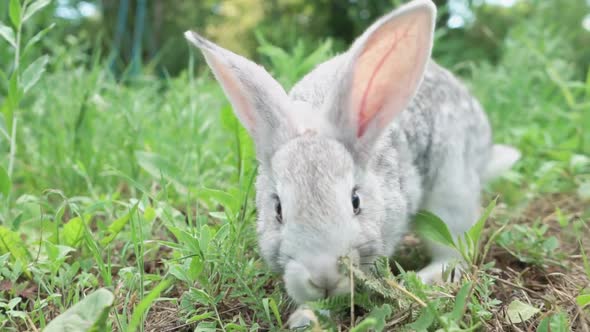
point(286, 20)
point(232, 23)
point(479, 39)
point(237, 21)
point(162, 37)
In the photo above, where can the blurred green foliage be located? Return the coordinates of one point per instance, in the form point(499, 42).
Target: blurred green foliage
point(112, 31)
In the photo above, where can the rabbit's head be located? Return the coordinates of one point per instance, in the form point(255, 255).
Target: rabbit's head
point(318, 196)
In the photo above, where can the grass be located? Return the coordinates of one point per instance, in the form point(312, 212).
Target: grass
point(145, 188)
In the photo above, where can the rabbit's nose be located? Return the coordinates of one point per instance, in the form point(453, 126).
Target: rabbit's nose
point(324, 274)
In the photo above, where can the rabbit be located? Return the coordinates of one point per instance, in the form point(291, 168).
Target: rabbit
point(356, 148)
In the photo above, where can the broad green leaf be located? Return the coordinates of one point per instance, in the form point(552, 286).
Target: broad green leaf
point(73, 232)
point(195, 268)
point(220, 196)
point(583, 300)
point(14, 12)
point(551, 244)
point(34, 7)
point(17, 314)
point(519, 311)
point(115, 228)
point(554, 323)
point(222, 233)
point(180, 272)
point(33, 73)
point(205, 236)
point(380, 314)
point(5, 183)
point(460, 300)
point(57, 255)
point(12, 243)
point(145, 304)
point(12, 303)
point(149, 214)
point(36, 38)
point(190, 242)
point(7, 33)
point(200, 296)
point(433, 228)
point(368, 324)
point(56, 252)
point(88, 315)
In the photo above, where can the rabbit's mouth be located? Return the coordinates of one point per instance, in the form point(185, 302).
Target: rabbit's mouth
point(316, 277)
point(303, 288)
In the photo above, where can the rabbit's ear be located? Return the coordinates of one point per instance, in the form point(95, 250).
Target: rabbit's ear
point(258, 100)
point(387, 65)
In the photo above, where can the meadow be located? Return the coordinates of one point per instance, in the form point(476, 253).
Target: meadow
point(131, 203)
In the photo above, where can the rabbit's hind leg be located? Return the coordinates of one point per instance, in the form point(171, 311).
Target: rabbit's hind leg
point(455, 198)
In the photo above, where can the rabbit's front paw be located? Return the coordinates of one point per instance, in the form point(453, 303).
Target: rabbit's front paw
point(304, 317)
point(301, 318)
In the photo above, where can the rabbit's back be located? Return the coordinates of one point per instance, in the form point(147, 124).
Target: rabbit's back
point(443, 121)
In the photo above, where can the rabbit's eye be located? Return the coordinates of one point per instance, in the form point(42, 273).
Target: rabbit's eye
point(356, 202)
point(278, 210)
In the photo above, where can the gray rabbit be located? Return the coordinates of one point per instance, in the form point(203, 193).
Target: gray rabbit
point(356, 148)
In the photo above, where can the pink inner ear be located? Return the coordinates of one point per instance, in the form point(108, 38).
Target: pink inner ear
point(388, 69)
point(365, 113)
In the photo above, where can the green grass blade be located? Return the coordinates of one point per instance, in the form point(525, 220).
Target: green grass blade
point(145, 304)
point(5, 183)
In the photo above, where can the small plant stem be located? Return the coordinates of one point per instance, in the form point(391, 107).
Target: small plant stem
point(406, 292)
point(12, 148)
point(416, 299)
point(30, 321)
point(471, 289)
point(351, 293)
point(489, 243)
point(140, 255)
point(218, 317)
